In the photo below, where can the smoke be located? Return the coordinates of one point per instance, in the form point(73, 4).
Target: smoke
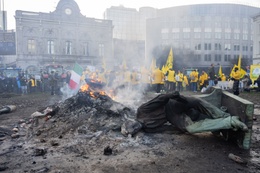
point(67, 92)
point(128, 96)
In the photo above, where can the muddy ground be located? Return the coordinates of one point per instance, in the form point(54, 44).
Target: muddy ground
point(52, 147)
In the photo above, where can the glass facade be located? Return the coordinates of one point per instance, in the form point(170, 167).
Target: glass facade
point(220, 31)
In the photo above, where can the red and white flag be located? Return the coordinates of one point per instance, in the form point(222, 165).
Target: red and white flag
point(75, 76)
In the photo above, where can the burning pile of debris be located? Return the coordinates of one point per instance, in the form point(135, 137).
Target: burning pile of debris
point(87, 112)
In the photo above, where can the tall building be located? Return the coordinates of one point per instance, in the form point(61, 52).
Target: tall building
point(129, 32)
point(3, 20)
point(256, 39)
point(7, 41)
point(63, 36)
point(129, 24)
point(203, 34)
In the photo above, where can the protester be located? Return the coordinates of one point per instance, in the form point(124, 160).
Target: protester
point(179, 79)
point(257, 81)
point(157, 77)
point(236, 78)
point(211, 74)
point(171, 82)
point(203, 80)
point(223, 77)
point(32, 84)
point(53, 82)
point(246, 83)
point(193, 80)
point(24, 83)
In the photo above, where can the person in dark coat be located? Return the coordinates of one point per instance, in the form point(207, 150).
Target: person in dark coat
point(53, 82)
point(212, 75)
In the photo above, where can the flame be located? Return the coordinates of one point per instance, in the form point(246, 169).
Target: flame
point(95, 92)
point(84, 88)
point(91, 91)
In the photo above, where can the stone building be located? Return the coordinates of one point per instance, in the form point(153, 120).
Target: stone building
point(63, 36)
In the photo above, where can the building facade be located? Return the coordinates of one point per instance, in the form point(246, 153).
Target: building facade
point(63, 36)
point(203, 34)
point(129, 32)
point(7, 48)
point(256, 39)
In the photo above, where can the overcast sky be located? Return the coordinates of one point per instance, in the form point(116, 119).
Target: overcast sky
point(96, 8)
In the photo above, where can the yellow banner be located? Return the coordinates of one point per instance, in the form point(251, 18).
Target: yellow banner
point(254, 72)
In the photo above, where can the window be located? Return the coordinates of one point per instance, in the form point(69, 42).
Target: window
point(227, 58)
point(31, 46)
point(227, 46)
point(198, 47)
point(245, 48)
point(68, 48)
point(50, 47)
point(236, 47)
point(236, 56)
point(207, 46)
point(218, 35)
point(236, 36)
point(218, 57)
point(101, 50)
point(207, 57)
point(217, 46)
point(245, 37)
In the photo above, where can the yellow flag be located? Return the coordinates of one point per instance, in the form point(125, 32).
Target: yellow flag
point(239, 62)
point(164, 69)
point(169, 62)
point(220, 71)
point(242, 72)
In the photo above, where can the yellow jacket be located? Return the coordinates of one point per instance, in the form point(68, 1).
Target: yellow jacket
point(157, 76)
point(195, 76)
point(203, 78)
point(171, 76)
point(223, 77)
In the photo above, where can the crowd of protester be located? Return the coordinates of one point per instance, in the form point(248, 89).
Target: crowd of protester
point(143, 79)
point(25, 83)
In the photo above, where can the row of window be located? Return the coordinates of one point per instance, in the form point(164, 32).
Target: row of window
point(31, 47)
point(217, 57)
point(207, 35)
point(227, 46)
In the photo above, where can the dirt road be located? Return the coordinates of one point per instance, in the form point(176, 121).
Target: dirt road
point(82, 149)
